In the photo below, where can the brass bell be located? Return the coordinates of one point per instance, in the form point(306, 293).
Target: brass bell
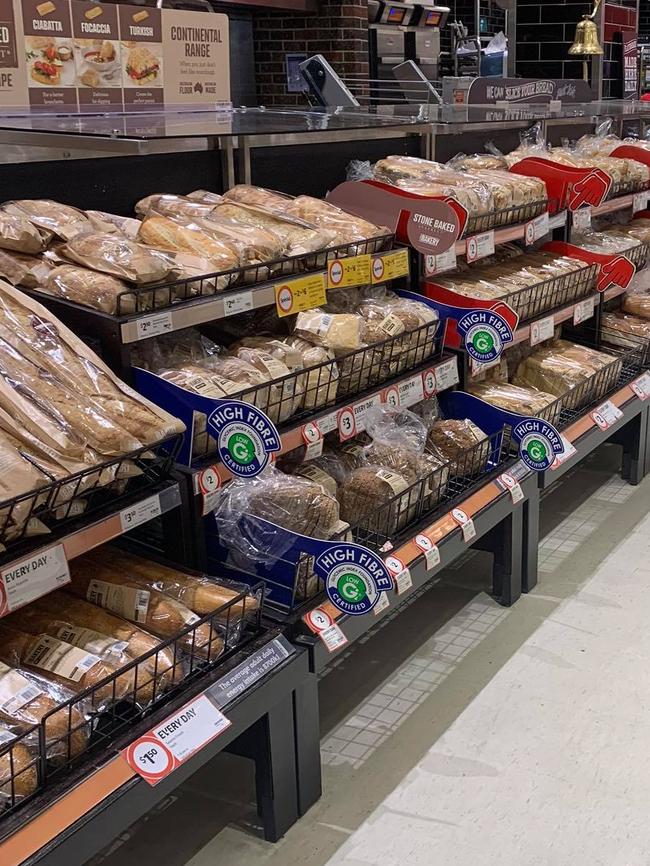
point(586, 41)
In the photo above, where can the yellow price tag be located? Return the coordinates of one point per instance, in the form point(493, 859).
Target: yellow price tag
point(354, 271)
point(303, 293)
point(390, 266)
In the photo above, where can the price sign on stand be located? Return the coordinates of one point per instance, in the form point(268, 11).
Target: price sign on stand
point(582, 219)
point(447, 374)
point(640, 201)
point(513, 486)
point(569, 451)
point(353, 271)
point(319, 619)
point(541, 330)
point(465, 522)
point(536, 229)
point(346, 423)
point(140, 513)
point(239, 302)
point(439, 264)
point(641, 386)
point(209, 484)
point(382, 604)
point(30, 578)
point(584, 310)
point(390, 266)
point(430, 550)
point(480, 246)
point(304, 293)
point(411, 391)
point(606, 415)
point(400, 573)
point(390, 396)
point(153, 326)
point(313, 439)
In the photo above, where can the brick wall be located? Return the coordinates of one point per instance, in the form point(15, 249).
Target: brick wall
point(338, 31)
point(619, 16)
point(545, 33)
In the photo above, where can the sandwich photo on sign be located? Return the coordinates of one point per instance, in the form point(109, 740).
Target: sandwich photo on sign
point(143, 67)
point(141, 53)
point(49, 53)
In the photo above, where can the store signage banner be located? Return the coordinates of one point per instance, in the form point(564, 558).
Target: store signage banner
point(69, 56)
point(630, 66)
point(488, 91)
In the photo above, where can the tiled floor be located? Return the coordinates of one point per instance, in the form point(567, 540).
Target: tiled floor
point(465, 734)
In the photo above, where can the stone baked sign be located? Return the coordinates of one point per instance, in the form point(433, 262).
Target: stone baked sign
point(66, 56)
point(488, 91)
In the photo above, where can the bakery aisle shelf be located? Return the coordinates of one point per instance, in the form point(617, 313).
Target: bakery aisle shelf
point(507, 234)
point(502, 527)
point(273, 721)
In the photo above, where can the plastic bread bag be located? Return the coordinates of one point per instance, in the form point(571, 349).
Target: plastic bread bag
point(461, 443)
point(359, 169)
point(513, 398)
point(133, 598)
point(17, 233)
point(322, 374)
point(622, 329)
point(478, 162)
point(638, 229)
point(117, 256)
point(26, 697)
point(23, 270)
point(254, 245)
point(258, 197)
point(43, 338)
point(18, 764)
point(154, 674)
point(605, 243)
point(293, 503)
point(286, 394)
point(58, 219)
point(168, 204)
point(109, 223)
point(340, 332)
point(176, 235)
point(90, 288)
point(204, 195)
point(325, 215)
point(637, 303)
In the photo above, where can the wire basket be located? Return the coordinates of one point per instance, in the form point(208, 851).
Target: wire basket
point(146, 299)
point(532, 301)
point(477, 223)
point(58, 503)
point(625, 187)
point(85, 727)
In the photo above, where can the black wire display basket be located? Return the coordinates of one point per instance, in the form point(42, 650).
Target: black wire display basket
point(477, 223)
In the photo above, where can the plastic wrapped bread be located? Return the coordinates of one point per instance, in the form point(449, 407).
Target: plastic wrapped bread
point(21, 269)
point(164, 233)
point(258, 197)
point(25, 698)
point(325, 215)
point(289, 357)
point(254, 245)
point(51, 216)
point(18, 767)
point(90, 288)
point(284, 396)
point(340, 332)
point(117, 256)
point(111, 223)
point(524, 400)
point(456, 440)
point(622, 329)
point(321, 382)
point(173, 205)
point(17, 233)
point(637, 304)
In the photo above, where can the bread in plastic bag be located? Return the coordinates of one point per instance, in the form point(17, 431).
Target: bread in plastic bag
point(167, 204)
point(461, 443)
point(117, 256)
point(51, 216)
point(258, 197)
point(348, 227)
point(340, 332)
point(182, 236)
point(21, 269)
point(111, 223)
point(322, 374)
point(18, 765)
point(524, 400)
point(17, 233)
point(90, 288)
point(619, 328)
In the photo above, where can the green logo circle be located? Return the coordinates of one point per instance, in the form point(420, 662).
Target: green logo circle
point(537, 450)
point(241, 448)
point(483, 342)
point(351, 587)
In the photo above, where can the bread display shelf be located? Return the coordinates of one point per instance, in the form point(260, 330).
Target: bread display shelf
point(612, 205)
point(422, 381)
point(103, 795)
point(613, 269)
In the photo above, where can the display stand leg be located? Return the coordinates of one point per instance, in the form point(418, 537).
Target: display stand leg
point(504, 542)
point(530, 542)
point(633, 439)
point(307, 726)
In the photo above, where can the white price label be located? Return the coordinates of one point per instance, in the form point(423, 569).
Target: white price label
point(346, 424)
point(140, 513)
point(447, 374)
point(319, 619)
point(152, 326)
point(40, 573)
point(582, 219)
point(411, 391)
point(465, 522)
point(537, 229)
point(394, 565)
point(480, 246)
point(382, 603)
point(641, 386)
point(606, 415)
point(313, 439)
point(328, 423)
point(209, 484)
point(584, 310)
point(568, 452)
point(403, 581)
point(237, 303)
point(333, 638)
point(640, 202)
point(429, 382)
point(391, 396)
point(430, 550)
point(361, 408)
point(445, 261)
point(516, 493)
point(541, 330)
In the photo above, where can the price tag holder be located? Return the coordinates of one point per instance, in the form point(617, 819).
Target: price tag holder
point(430, 551)
point(513, 486)
point(569, 451)
point(140, 513)
point(390, 266)
point(641, 386)
point(328, 423)
point(240, 302)
point(318, 620)
point(382, 603)
point(411, 391)
point(403, 582)
point(361, 408)
point(444, 262)
point(582, 219)
point(542, 330)
point(304, 293)
point(584, 310)
point(480, 246)
point(33, 577)
point(353, 271)
point(639, 202)
point(447, 374)
point(465, 522)
point(313, 439)
point(390, 396)
point(159, 752)
point(209, 484)
point(606, 415)
point(347, 424)
point(537, 229)
point(333, 638)
point(152, 326)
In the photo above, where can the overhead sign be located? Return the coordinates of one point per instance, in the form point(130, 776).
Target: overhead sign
point(488, 91)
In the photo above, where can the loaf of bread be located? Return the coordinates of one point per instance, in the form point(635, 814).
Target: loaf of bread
point(90, 288)
point(133, 598)
point(285, 397)
point(377, 499)
point(23, 270)
point(243, 193)
point(59, 219)
point(253, 244)
point(121, 258)
point(18, 768)
point(110, 223)
point(172, 205)
point(621, 329)
point(321, 383)
point(347, 227)
point(524, 400)
point(19, 234)
point(456, 441)
point(167, 234)
point(58, 661)
point(340, 332)
point(637, 304)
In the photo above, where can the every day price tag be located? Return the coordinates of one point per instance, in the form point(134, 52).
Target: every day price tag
point(333, 637)
point(584, 310)
point(346, 423)
point(640, 201)
point(390, 266)
point(400, 572)
point(238, 302)
point(536, 229)
point(361, 408)
point(152, 326)
point(480, 246)
point(353, 271)
point(382, 604)
point(569, 451)
point(513, 486)
point(140, 513)
point(465, 522)
point(313, 439)
point(164, 748)
point(541, 330)
point(430, 550)
point(606, 415)
point(209, 484)
point(30, 578)
point(411, 391)
point(447, 374)
point(303, 293)
point(582, 218)
point(641, 386)
point(438, 264)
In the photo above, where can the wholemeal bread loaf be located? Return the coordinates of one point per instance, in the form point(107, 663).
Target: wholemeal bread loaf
point(377, 499)
point(18, 768)
point(461, 443)
point(122, 258)
point(90, 288)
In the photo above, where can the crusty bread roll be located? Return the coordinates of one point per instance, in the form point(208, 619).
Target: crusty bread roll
point(18, 775)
